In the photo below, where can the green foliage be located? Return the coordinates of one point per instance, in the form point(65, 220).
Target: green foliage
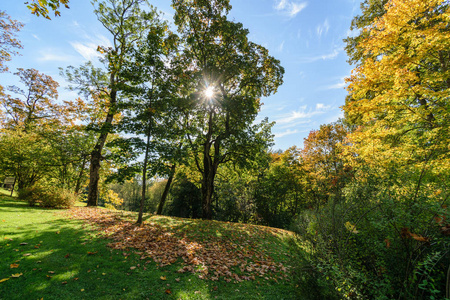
point(186, 199)
point(47, 196)
point(383, 241)
point(237, 72)
point(44, 7)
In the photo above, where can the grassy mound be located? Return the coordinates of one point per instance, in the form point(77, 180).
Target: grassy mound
point(87, 253)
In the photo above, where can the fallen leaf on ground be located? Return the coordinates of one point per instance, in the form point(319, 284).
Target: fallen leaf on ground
point(212, 259)
point(168, 292)
point(16, 275)
point(4, 279)
point(27, 254)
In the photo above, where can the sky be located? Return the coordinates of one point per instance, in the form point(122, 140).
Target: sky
point(306, 36)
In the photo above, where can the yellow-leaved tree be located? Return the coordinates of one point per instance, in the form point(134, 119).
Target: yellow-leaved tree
point(400, 93)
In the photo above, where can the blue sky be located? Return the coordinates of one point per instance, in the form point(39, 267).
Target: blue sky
point(306, 36)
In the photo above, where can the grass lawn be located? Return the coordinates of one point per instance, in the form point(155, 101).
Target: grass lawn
point(5, 192)
point(53, 254)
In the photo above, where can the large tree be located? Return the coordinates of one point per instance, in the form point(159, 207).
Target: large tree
point(39, 134)
point(33, 106)
point(128, 25)
point(230, 75)
point(399, 94)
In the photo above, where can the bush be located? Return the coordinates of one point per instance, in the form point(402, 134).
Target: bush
point(378, 243)
point(50, 197)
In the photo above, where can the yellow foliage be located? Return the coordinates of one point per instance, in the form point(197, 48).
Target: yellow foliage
point(112, 200)
point(400, 93)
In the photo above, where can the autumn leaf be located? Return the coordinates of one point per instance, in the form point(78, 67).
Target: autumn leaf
point(163, 278)
point(92, 253)
point(67, 255)
point(420, 238)
point(132, 268)
point(168, 292)
point(27, 254)
point(16, 275)
point(4, 279)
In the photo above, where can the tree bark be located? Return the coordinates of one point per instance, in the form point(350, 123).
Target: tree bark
point(80, 176)
point(144, 180)
point(96, 154)
point(162, 201)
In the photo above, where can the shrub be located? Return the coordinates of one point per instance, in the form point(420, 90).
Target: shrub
point(379, 243)
point(50, 197)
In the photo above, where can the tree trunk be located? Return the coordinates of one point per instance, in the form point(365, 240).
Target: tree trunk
point(207, 192)
point(80, 176)
point(96, 154)
point(144, 181)
point(162, 201)
point(207, 184)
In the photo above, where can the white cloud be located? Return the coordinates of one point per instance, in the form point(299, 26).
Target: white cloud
point(340, 85)
point(290, 8)
point(36, 37)
point(287, 132)
point(328, 56)
point(323, 28)
point(281, 4)
point(336, 86)
point(302, 116)
point(281, 47)
point(296, 8)
point(321, 106)
point(50, 55)
point(88, 50)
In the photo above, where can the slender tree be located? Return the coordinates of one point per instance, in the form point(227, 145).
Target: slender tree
point(128, 25)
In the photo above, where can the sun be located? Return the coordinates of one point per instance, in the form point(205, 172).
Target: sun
point(209, 92)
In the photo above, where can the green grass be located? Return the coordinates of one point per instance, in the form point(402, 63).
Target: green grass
point(6, 192)
point(68, 259)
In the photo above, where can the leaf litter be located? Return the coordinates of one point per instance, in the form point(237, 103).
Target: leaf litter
point(209, 249)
